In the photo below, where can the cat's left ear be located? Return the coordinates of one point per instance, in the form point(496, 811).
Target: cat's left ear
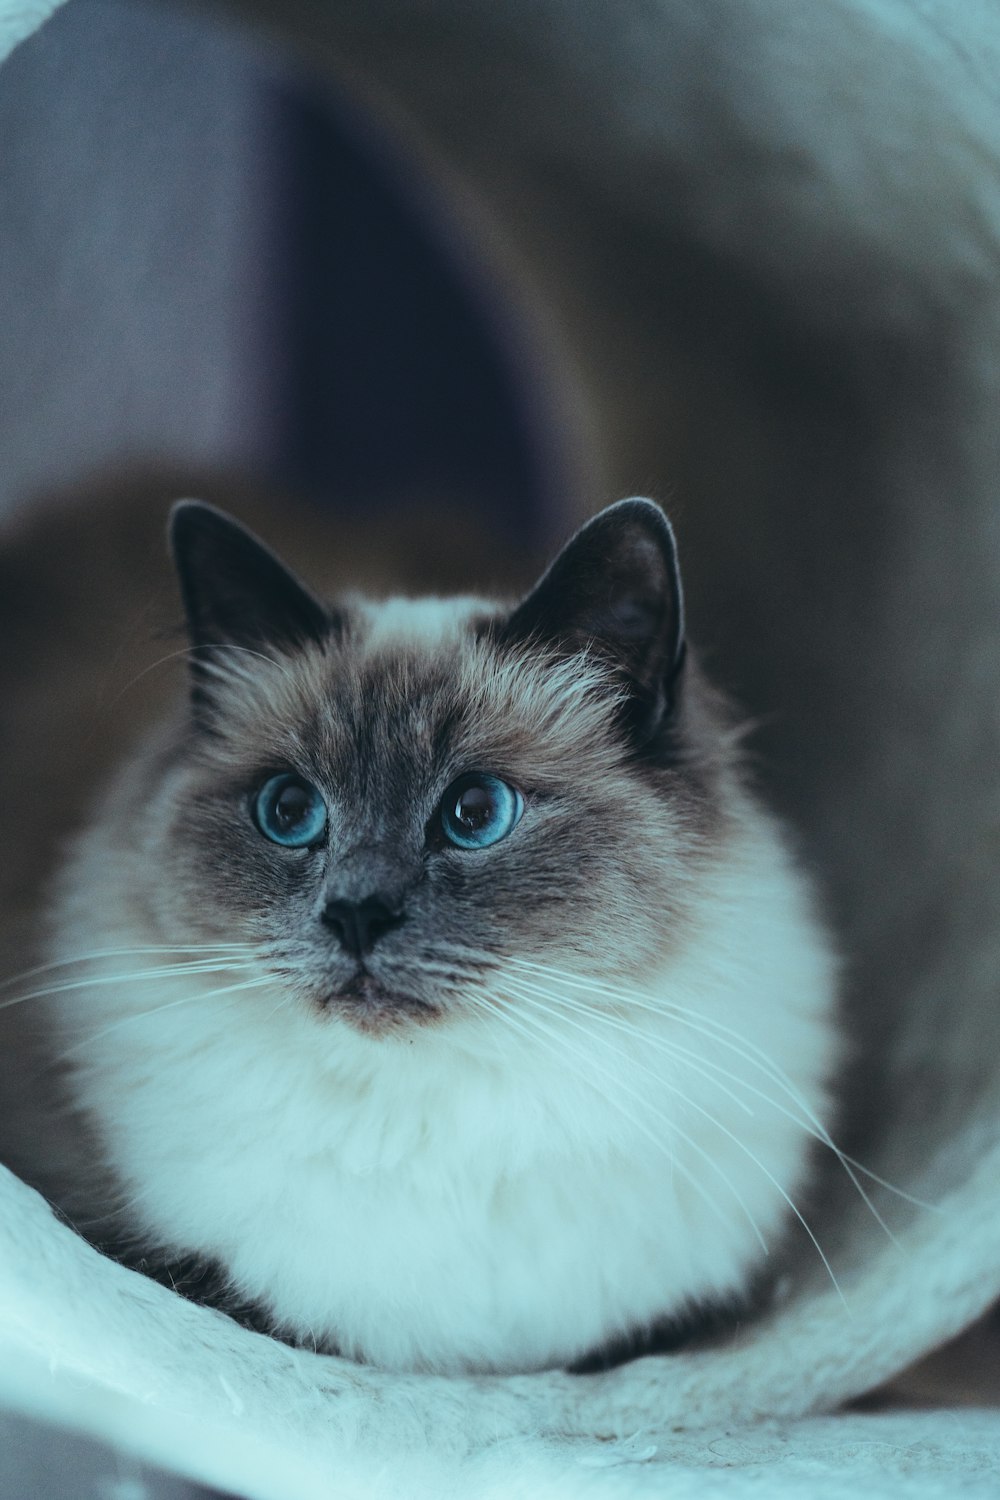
point(616, 588)
point(236, 591)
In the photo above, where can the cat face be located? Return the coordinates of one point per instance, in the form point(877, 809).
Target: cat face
point(391, 800)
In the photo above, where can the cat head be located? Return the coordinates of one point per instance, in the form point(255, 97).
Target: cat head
point(394, 800)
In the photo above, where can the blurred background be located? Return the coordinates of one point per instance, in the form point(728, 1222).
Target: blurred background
point(212, 264)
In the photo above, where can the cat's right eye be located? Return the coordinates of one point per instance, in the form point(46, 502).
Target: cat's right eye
point(479, 809)
point(289, 811)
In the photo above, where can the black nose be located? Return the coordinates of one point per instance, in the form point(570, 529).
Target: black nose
point(359, 924)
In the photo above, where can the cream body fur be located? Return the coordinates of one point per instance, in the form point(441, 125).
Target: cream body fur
point(598, 1128)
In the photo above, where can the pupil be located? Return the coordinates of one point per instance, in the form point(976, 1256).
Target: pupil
point(475, 808)
point(291, 806)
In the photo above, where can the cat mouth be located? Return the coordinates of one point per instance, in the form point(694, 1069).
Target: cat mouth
point(374, 1008)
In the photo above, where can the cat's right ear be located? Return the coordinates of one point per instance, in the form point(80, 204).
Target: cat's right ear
point(615, 589)
point(237, 594)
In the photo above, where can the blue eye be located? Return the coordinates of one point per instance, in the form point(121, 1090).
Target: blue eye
point(289, 811)
point(478, 810)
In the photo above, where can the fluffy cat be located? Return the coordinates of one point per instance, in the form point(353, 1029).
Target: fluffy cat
point(429, 968)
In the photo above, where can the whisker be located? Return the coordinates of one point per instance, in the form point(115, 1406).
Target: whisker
point(707, 1026)
point(692, 1104)
point(751, 1053)
point(647, 1040)
point(156, 1010)
point(705, 1067)
point(535, 1038)
point(160, 661)
point(112, 1214)
point(165, 971)
point(98, 953)
point(203, 662)
point(672, 1126)
point(282, 1004)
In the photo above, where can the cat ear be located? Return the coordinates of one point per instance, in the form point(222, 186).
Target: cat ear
point(235, 591)
point(616, 587)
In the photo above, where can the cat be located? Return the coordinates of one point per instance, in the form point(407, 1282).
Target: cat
point(433, 969)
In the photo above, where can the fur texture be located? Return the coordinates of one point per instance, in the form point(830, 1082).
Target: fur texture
point(790, 314)
point(530, 1121)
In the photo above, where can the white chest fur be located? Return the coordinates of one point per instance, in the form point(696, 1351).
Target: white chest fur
point(499, 1195)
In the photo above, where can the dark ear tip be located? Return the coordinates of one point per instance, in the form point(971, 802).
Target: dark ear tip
point(188, 516)
point(639, 510)
point(184, 511)
point(636, 514)
point(653, 521)
point(638, 505)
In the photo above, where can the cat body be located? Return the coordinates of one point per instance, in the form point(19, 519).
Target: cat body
point(445, 1106)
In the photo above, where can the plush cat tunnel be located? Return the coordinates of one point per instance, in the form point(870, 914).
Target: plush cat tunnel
point(762, 245)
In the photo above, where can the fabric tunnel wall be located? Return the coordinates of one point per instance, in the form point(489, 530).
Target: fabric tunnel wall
point(716, 258)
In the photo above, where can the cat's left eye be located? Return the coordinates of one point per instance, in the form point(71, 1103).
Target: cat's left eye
point(478, 810)
point(289, 811)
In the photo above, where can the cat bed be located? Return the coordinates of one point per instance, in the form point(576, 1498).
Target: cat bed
point(765, 240)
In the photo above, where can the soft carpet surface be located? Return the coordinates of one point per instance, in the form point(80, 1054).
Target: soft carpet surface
point(104, 1352)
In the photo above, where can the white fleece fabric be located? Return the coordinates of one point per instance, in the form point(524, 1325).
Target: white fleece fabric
point(90, 1345)
point(96, 1349)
